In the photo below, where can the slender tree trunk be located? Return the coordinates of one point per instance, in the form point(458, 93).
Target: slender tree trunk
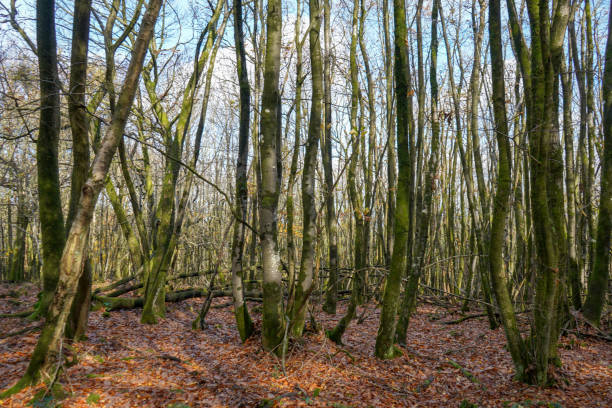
point(500, 204)
point(79, 125)
point(427, 216)
point(49, 200)
point(305, 280)
point(273, 319)
point(326, 157)
point(391, 154)
point(358, 281)
point(598, 281)
point(243, 320)
point(291, 251)
point(18, 251)
point(391, 296)
point(570, 184)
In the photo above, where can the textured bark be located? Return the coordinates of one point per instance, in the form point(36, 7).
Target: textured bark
point(305, 279)
point(273, 319)
point(391, 296)
point(49, 200)
point(243, 320)
point(79, 125)
point(331, 293)
point(415, 266)
point(500, 204)
point(598, 281)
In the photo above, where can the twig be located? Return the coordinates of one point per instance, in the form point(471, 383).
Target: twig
point(22, 331)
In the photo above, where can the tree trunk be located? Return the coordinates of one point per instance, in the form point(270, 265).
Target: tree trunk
point(598, 281)
point(273, 319)
point(49, 199)
point(47, 353)
point(516, 347)
point(305, 281)
point(326, 157)
point(391, 296)
point(79, 125)
point(422, 233)
point(243, 320)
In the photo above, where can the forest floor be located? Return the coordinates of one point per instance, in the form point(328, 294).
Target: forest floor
point(126, 364)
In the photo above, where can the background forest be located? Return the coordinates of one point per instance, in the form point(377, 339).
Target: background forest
point(321, 164)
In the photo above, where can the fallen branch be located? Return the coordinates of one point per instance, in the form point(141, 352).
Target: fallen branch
point(16, 315)
point(131, 288)
point(20, 332)
point(115, 284)
point(112, 303)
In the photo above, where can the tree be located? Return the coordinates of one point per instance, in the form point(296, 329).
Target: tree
point(243, 319)
point(47, 354)
point(598, 280)
point(305, 279)
point(271, 171)
point(391, 297)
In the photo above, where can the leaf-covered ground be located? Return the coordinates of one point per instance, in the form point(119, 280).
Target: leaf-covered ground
point(126, 364)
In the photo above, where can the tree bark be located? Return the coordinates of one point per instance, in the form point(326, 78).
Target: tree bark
point(273, 319)
point(243, 320)
point(386, 331)
point(598, 281)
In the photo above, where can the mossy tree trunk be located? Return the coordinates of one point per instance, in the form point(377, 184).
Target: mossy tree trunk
point(241, 311)
point(49, 199)
point(331, 294)
point(273, 318)
point(47, 353)
point(598, 280)
point(305, 280)
point(79, 125)
point(415, 266)
point(156, 268)
point(391, 296)
point(516, 345)
point(16, 271)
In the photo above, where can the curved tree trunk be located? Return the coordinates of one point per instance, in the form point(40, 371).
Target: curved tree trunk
point(47, 352)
